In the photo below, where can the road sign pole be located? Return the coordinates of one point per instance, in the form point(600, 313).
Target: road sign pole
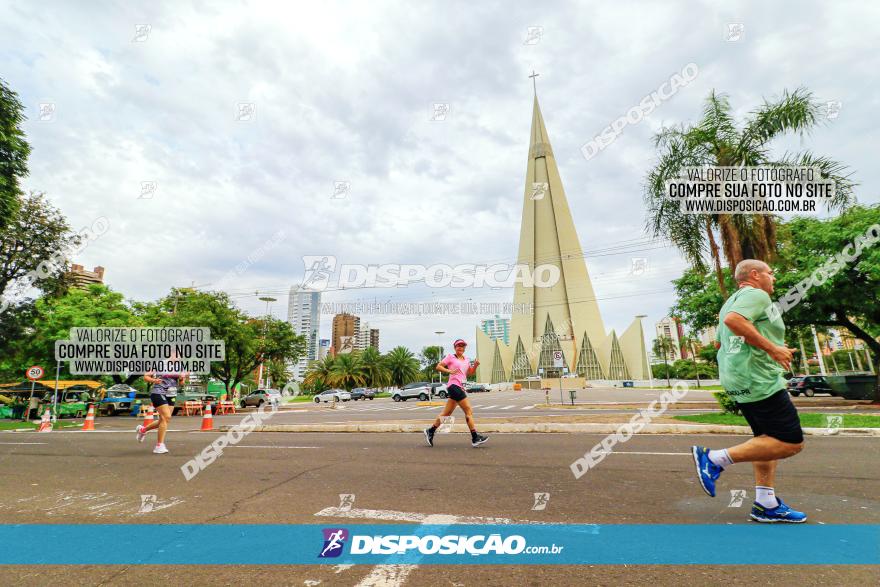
point(55, 401)
point(27, 411)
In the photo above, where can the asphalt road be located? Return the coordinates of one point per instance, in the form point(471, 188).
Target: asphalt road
point(520, 404)
point(75, 477)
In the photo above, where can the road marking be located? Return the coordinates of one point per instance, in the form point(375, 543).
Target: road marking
point(632, 452)
point(267, 446)
point(489, 407)
point(24, 443)
point(508, 407)
point(528, 407)
point(415, 517)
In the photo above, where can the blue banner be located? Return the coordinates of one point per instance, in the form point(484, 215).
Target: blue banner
point(370, 544)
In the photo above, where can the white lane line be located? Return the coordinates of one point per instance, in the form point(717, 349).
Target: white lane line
point(633, 452)
point(267, 446)
point(489, 407)
point(415, 517)
point(508, 407)
point(24, 443)
point(528, 407)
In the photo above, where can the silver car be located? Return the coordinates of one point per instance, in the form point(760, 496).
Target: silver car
point(261, 396)
point(332, 395)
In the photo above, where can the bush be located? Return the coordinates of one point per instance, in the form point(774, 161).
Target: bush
point(728, 406)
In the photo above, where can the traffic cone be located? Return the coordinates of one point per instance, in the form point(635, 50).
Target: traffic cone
point(148, 416)
point(46, 421)
point(89, 424)
point(207, 419)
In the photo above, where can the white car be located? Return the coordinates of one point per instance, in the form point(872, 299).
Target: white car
point(333, 395)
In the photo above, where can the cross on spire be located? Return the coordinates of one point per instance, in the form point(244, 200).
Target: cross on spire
point(534, 86)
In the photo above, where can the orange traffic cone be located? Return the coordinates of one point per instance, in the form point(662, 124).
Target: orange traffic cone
point(89, 424)
point(207, 419)
point(148, 415)
point(46, 421)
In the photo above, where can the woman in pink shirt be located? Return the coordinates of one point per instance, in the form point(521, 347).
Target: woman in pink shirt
point(458, 367)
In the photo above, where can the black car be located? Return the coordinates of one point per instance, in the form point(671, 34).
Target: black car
point(362, 393)
point(809, 385)
point(475, 387)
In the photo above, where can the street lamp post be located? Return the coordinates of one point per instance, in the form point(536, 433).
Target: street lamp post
point(268, 301)
point(439, 334)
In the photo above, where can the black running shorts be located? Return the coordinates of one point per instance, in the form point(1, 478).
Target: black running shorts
point(774, 416)
point(456, 393)
point(159, 399)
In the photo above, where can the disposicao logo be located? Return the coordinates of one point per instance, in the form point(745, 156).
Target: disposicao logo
point(334, 542)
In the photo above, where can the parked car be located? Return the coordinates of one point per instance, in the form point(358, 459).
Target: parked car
point(118, 399)
point(809, 385)
point(333, 395)
point(439, 389)
point(70, 403)
point(475, 387)
point(261, 396)
point(362, 393)
point(418, 389)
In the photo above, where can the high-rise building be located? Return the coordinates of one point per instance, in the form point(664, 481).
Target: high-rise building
point(362, 336)
point(304, 315)
point(345, 331)
point(374, 338)
point(323, 348)
point(565, 319)
point(82, 277)
point(497, 328)
point(672, 329)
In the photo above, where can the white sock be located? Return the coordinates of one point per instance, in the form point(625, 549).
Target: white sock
point(766, 496)
point(720, 457)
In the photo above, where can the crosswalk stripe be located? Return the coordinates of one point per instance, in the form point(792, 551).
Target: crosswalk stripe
point(508, 407)
point(527, 407)
point(489, 407)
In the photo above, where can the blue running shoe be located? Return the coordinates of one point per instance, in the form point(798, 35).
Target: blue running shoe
point(707, 471)
point(781, 513)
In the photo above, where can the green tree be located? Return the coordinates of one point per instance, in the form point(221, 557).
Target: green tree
point(34, 248)
point(53, 317)
point(248, 341)
point(374, 367)
point(847, 299)
point(14, 152)
point(664, 347)
point(403, 366)
point(347, 372)
point(429, 358)
point(318, 374)
point(698, 298)
point(717, 140)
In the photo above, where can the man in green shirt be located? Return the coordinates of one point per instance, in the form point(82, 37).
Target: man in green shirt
point(752, 357)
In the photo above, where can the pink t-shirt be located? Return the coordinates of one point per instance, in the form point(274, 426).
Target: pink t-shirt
point(463, 364)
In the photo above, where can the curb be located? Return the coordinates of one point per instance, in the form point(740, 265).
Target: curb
point(547, 427)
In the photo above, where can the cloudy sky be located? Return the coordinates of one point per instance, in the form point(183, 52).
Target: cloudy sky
point(345, 92)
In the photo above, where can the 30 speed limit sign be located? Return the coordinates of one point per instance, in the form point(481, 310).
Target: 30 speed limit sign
point(35, 372)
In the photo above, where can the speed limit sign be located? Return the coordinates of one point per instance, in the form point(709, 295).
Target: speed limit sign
point(34, 373)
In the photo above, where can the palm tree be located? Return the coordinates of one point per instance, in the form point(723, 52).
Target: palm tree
point(403, 366)
point(663, 346)
point(374, 368)
point(716, 140)
point(319, 373)
point(690, 342)
point(347, 371)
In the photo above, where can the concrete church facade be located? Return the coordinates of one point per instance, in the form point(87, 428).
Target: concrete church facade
point(566, 316)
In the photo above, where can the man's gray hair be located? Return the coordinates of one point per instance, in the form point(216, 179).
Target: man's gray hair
point(746, 266)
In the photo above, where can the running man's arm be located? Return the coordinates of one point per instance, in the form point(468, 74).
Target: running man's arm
point(741, 326)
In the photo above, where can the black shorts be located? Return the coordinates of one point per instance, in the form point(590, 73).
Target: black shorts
point(774, 416)
point(456, 393)
point(158, 399)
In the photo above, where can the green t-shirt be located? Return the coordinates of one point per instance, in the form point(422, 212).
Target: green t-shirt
point(747, 373)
